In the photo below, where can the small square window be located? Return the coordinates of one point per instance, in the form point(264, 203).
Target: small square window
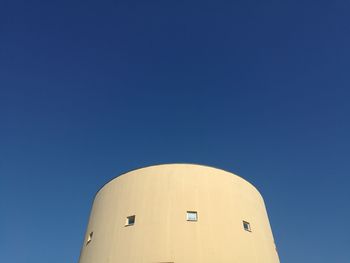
point(89, 238)
point(191, 216)
point(246, 226)
point(130, 220)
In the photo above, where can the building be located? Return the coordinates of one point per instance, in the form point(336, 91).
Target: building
point(178, 213)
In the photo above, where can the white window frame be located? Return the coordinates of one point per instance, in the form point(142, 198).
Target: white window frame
point(128, 219)
point(89, 238)
point(248, 228)
point(191, 213)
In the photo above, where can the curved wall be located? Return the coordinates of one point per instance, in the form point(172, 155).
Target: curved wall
point(159, 197)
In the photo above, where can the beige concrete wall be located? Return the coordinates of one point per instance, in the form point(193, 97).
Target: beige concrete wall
point(160, 196)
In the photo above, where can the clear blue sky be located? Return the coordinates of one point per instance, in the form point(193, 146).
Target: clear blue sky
point(90, 89)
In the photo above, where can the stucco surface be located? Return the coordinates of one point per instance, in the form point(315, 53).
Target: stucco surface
point(159, 196)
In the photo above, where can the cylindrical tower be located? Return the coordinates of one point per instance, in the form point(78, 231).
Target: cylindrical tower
point(178, 213)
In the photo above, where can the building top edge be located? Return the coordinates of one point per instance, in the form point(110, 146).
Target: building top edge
point(174, 164)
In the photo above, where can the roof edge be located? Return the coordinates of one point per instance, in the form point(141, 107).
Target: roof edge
point(161, 164)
